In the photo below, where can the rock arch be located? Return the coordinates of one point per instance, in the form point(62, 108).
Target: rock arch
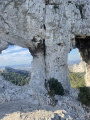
point(48, 29)
point(83, 44)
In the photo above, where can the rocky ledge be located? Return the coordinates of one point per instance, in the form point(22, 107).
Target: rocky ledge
point(21, 103)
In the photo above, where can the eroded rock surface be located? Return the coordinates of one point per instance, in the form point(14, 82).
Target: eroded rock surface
point(81, 67)
point(20, 103)
point(83, 44)
point(49, 29)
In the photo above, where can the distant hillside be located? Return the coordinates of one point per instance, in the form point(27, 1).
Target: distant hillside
point(77, 79)
point(81, 67)
point(9, 69)
point(20, 67)
point(72, 62)
point(26, 67)
point(16, 76)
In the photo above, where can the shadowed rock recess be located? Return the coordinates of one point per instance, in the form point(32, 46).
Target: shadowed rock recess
point(50, 29)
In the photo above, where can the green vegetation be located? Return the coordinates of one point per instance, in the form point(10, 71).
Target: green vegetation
point(19, 79)
point(77, 79)
point(55, 87)
point(84, 95)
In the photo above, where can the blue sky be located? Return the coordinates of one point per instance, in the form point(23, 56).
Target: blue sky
point(15, 55)
point(74, 55)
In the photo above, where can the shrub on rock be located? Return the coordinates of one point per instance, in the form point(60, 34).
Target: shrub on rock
point(84, 95)
point(55, 87)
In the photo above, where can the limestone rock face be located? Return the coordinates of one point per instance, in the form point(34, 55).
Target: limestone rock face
point(81, 67)
point(87, 75)
point(20, 103)
point(49, 28)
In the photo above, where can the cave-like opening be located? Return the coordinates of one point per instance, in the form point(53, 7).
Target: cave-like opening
point(76, 69)
point(15, 65)
point(83, 44)
point(81, 72)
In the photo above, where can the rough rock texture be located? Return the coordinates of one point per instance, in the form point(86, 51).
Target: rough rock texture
point(50, 29)
point(81, 67)
point(83, 45)
point(87, 80)
point(21, 104)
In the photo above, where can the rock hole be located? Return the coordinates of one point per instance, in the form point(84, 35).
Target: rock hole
point(77, 69)
point(83, 44)
point(15, 65)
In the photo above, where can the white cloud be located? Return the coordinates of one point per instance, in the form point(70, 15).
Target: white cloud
point(14, 56)
point(11, 49)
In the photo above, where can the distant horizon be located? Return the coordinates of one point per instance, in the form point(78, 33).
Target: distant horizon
point(16, 56)
point(69, 63)
point(15, 65)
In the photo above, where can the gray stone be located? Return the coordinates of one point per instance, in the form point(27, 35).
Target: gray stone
point(56, 117)
point(50, 29)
